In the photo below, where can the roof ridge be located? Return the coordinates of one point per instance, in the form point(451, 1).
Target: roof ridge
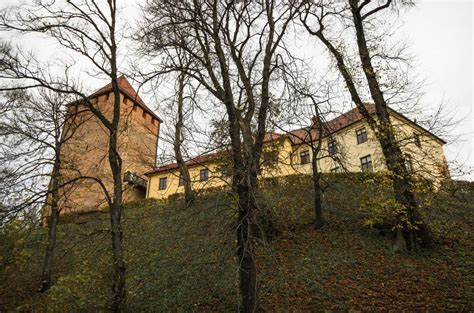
point(127, 89)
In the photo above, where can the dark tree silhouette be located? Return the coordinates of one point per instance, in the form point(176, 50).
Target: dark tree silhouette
point(88, 30)
point(412, 231)
point(235, 52)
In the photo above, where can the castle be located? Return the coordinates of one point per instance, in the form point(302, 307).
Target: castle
point(348, 145)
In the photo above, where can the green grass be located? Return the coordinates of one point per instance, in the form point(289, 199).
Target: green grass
point(183, 259)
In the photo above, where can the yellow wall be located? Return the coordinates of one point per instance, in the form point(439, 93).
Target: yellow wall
point(215, 180)
point(428, 161)
point(349, 152)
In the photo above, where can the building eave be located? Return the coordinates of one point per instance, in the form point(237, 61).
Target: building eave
point(418, 126)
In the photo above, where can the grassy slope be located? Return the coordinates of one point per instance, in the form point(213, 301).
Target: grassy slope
point(183, 259)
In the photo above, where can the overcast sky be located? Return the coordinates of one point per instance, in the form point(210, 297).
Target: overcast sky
point(440, 34)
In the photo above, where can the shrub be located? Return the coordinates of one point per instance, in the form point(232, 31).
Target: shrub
point(84, 291)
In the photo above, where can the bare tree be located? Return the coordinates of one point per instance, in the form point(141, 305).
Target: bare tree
point(88, 30)
point(312, 136)
point(184, 139)
point(179, 138)
point(307, 99)
point(34, 129)
point(412, 231)
point(235, 50)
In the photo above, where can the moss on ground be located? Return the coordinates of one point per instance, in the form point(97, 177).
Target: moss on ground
point(183, 259)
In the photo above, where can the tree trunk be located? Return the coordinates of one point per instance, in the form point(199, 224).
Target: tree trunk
point(188, 191)
point(414, 229)
point(119, 267)
point(118, 286)
point(53, 219)
point(245, 250)
point(244, 183)
point(318, 210)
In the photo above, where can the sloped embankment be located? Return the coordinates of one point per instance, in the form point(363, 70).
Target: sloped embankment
point(183, 258)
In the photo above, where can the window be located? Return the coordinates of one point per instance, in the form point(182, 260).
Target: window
point(366, 164)
point(181, 180)
point(270, 158)
point(408, 163)
point(335, 169)
point(417, 139)
point(163, 183)
point(332, 147)
point(361, 136)
point(204, 174)
point(304, 157)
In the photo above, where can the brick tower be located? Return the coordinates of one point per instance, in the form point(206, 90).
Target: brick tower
point(85, 154)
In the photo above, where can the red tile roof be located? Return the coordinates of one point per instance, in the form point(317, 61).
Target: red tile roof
point(194, 161)
point(299, 136)
point(127, 89)
point(269, 136)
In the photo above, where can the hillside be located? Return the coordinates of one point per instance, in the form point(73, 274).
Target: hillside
point(182, 259)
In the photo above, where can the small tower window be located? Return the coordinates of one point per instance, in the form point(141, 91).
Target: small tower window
point(304, 157)
point(332, 147)
point(366, 164)
point(361, 135)
point(163, 183)
point(204, 174)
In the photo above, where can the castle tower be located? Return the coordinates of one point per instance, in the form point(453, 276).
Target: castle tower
point(85, 154)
